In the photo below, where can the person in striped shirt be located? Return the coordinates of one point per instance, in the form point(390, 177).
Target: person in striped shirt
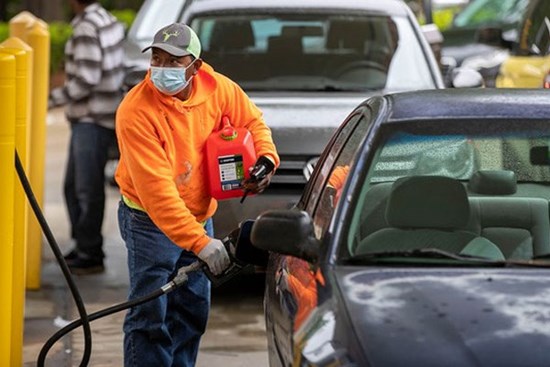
point(94, 67)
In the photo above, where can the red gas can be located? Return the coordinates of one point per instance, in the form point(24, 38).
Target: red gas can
point(229, 154)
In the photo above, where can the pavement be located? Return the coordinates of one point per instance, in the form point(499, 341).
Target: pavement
point(235, 335)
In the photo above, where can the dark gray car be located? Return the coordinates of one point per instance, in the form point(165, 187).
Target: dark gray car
point(305, 64)
point(422, 238)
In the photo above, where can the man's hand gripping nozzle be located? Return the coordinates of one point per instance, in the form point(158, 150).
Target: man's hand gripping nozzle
point(235, 266)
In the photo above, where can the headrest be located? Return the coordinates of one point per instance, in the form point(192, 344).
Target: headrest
point(348, 34)
point(231, 36)
point(285, 44)
point(498, 182)
point(428, 202)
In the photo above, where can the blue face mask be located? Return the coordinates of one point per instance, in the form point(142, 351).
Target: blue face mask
point(170, 81)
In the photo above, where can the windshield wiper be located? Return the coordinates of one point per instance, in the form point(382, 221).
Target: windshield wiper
point(433, 253)
point(542, 257)
point(331, 88)
point(429, 253)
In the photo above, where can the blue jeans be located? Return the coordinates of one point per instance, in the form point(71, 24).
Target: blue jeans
point(84, 185)
point(165, 331)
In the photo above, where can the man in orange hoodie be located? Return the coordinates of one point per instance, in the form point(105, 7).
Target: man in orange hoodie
point(165, 212)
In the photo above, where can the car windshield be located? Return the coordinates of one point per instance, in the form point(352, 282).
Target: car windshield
point(314, 52)
point(428, 193)
point(488, 12)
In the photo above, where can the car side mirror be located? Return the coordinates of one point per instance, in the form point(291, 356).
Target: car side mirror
point(286, 232)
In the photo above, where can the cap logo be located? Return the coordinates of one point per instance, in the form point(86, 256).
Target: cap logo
point(168, 35)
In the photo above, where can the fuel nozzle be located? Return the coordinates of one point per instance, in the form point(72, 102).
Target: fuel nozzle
point(261, 169)
point(231, 242)
point(242, 253)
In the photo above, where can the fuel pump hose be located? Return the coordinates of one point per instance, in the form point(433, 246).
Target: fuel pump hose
point(59, 256)
point(178, 280)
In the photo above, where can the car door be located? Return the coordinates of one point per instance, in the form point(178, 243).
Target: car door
point(292, 284)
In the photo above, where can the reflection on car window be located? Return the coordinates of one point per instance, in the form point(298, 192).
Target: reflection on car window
point(408, 154)
point(335, 172)
point(314, 51)
point(456, 156)
point(314, 187)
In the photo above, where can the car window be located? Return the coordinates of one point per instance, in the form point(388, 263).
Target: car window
point(280, 51)
point(513, 158)
point(487, 12)
point(407, 154)
point(535, 32)
point(324, 166)
point(334, 171)
point(457, 156)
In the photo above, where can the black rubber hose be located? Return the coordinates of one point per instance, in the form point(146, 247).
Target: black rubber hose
point(64, 268)
point(178, 280)
point(97, 315)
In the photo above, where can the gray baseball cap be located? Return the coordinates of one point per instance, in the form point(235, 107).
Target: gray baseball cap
point(177, 39)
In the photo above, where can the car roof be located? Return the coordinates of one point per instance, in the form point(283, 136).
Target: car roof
point(392, 7)
point(470, 104)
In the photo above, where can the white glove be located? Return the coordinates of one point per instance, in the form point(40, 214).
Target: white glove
point(215, 256)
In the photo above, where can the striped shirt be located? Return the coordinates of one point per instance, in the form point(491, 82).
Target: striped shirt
point(94, 67)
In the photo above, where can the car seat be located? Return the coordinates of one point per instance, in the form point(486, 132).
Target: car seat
point(231, 36)
point(518, 225)
point(428, 212)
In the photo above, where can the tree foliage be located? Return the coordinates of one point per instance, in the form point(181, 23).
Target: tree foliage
point(60, 30)
point(56, 10)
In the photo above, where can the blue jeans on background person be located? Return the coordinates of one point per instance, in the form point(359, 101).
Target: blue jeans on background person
point(84, 186)
point(165, 331)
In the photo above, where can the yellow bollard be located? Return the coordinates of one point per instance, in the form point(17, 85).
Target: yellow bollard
point(23, 68)
point(20, 23)
point(7, 159)
point(38, 37)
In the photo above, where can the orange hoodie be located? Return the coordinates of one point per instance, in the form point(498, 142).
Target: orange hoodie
point(161, 139)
